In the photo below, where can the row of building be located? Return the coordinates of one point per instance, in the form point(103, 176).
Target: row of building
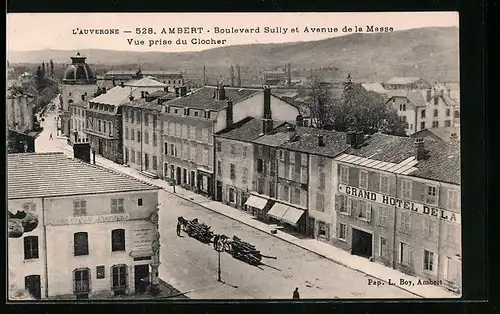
point(96, 234)
point(394, 200)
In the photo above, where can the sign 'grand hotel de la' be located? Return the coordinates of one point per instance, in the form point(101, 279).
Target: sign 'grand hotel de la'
point(399, 203)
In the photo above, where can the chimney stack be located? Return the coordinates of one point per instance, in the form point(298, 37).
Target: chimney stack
point(360, 137)
point(122, 84)
point(229, 113)
point(81, 151)
point(83, 97)
point(321, 142)
point(267, 126)
point(238, 73)
point(351, 138)
point(429, 95)
point(299, 120)
point(267, 103)
point(114, 81)
point(289, 74)
point(177, 94)
point(231, 75)
point(183, 91)
point(291, 132)
point(419, 148)
point(220, 93)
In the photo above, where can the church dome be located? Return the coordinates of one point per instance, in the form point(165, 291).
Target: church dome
point(78, 72)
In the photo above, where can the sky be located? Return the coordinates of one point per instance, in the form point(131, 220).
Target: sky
point(38, 31)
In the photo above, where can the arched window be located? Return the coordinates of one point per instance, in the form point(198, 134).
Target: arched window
point(81, 282)
point(81, 243)
point(119, 278)
point(118, 240)
point(70, 101)
point(30, 247)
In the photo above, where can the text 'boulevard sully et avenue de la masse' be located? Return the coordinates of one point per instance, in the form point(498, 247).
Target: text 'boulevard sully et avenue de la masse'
point(232, 30)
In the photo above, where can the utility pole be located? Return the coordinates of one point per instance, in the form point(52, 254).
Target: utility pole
point(218, 254)
point(204, 76)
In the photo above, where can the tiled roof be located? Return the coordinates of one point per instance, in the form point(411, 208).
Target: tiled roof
point(396, 93)
point(143, 104)
point(448, 101)
point(115, 96)
point(443, 134)
point(34, 175)
point(441, 164)
point(385, 147)
point(307, 141)
point(246, 130)
point(416, 97)
point(128, 72)
point(146, 82)
point(403, 80)
point(203, 98)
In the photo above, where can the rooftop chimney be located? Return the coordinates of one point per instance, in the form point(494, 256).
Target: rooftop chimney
point(131, 97)
point(220, 93)
point(429, 95)
point(267, 126)
point(351, 138)
point(183, 91)
point(229, 113)
point(122, 84)
point(83, 97)
point(299, 120)
point(82, 151)
point(321, 143)
point(267, 103)
point(419, 148)
point(177, 94)
point(114, 81)
point(291, 132)
point(360, 137)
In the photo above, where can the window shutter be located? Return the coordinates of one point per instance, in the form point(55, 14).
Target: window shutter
point(74, 280)
point(369, 212)
point(327, 231)
point(424, 190)
point(349, 206)
point(337, 202)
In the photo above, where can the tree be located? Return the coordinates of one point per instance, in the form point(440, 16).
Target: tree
point(320, 105)
point(43, 69)
point(366, 111)
point(51, 68)
point(39, 78)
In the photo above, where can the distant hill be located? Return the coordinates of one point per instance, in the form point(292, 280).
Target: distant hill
point(432, 53)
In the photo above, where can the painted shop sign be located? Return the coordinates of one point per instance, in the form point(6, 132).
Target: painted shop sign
point(399, 203)
point(98, 218)
point(142, 239)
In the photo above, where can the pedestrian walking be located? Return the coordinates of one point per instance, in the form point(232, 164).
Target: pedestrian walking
point(296, 294)
point(50, 137)
point(178, 229)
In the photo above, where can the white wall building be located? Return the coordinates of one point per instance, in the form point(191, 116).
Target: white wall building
point(97, 233)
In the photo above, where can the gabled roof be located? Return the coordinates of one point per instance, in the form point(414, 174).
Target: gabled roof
point(246, 130)
point(145, 82)
point(115, 96)
point(203, 98)
point(416, 97)
point(403, 80)
point(443, 134)
point(34, 175)
point(383, 147)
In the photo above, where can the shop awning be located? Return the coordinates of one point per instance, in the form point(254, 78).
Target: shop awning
point(286, 213)
point(205, 170)
point(292, 215)
point(256, 202)
point(278, 210)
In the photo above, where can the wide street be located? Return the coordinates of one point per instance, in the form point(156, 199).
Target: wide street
point(192, 267)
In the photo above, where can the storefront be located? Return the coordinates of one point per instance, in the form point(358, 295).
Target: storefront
point(291, 216)
point(205, 181)
point(258, 205)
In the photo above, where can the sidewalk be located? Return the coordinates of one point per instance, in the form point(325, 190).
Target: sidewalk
point(325, 250)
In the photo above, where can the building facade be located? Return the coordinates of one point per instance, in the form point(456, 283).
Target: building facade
point(423, 109)
point(190, 122)
point(142, 134)
point(78, 119)
point(406, 83)
point(93, 240)
point(78, 84)
point(391, 209)
point(20, 111)
point(116, 77)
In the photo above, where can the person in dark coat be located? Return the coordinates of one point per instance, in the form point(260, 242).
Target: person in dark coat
point(50, 137)
point(178, 229)
point(296, 294)
point(216, 241)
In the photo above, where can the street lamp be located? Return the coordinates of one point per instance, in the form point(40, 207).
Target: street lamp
point(219, 250)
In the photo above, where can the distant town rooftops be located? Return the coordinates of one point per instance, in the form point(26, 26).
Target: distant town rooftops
point(149, 102)
point(418, 97)
point(132, 73)
point(374, 87)
point(404, 80)
point(439, 134)
point(147, 81)
point(116, 96)
point(204, 98)
point(32, 175)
